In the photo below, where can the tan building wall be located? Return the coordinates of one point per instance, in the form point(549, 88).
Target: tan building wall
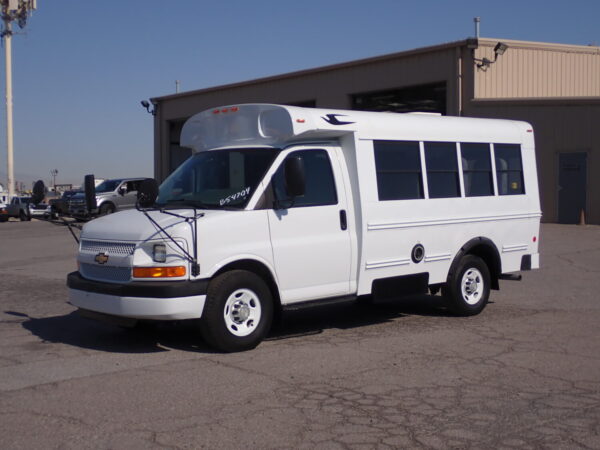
point(538, 70)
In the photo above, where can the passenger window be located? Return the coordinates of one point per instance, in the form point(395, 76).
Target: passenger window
point(509, 169)
point(320, 184)
point(442, 169)
point(398, 169)
point(477, 169)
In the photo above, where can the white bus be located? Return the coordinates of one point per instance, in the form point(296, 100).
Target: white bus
point(280, 207)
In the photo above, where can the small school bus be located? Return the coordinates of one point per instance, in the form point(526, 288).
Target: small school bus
point(282, 207)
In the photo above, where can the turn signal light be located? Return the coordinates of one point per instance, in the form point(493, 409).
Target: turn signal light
point(159, 272)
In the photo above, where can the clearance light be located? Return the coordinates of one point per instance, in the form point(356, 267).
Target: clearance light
point(159, 272)
point(534, 238)
point(226, 110)
point(300, 120)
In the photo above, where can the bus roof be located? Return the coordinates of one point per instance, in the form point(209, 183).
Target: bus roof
point(266, 125)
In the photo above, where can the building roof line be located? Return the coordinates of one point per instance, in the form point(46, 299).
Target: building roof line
point(380, 58)
point(314, 70)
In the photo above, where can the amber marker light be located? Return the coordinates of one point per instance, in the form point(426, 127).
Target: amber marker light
point(159, 272)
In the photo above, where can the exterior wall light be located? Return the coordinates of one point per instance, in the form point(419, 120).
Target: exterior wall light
point(485, 63)
point(146, 105)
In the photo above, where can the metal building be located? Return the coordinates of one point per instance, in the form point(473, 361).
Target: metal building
point(554, 87)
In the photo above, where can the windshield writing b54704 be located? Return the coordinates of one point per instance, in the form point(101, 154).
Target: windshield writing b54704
point(230, 198)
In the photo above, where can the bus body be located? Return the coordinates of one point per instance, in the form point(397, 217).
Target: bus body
point(283, 206)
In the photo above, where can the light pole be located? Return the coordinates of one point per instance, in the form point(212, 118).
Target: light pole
point(12, 10)
point(54, 172)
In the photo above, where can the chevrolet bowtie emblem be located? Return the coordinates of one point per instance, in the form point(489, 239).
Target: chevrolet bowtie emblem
point(101, 258)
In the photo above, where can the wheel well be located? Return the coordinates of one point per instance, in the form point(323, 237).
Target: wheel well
point(258, 269)
point(485, 249)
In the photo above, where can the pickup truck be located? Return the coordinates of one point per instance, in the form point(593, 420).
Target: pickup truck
point(60, 206)
point(18, 208)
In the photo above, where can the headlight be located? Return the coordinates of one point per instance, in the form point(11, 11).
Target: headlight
point(159, 253)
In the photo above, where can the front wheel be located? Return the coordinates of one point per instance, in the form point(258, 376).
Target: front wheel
point(238, 311)
point(107, 208)
point(23, 217)
point(468, 289)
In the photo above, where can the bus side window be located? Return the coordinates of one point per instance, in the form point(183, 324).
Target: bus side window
point(477, 169)
point(398, 170)
point(442, 169)
point(509, 169)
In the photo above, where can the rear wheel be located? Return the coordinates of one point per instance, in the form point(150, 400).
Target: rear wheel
point(23, 217)
point(468, 289)
point(238, 311)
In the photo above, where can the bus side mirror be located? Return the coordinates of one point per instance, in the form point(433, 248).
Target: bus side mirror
point(147, 193)
point(295, 179)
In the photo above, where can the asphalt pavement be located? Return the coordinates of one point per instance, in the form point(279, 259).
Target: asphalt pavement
point(525, 373)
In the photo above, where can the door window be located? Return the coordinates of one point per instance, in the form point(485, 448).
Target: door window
point(320, 184)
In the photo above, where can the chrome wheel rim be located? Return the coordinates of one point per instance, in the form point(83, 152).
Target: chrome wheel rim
point(472, 286)
point(242, 312)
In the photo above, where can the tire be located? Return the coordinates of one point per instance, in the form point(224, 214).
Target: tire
point(238, 311)
point(107, 208)
point(468, 289)
point(24, 217)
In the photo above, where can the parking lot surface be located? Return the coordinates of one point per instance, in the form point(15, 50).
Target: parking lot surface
point(405, 374)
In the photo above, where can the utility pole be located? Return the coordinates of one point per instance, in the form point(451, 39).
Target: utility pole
point(12, 10)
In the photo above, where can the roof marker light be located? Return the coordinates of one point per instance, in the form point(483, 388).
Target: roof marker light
point(300, 120)
point(235, 109)
point(216, 111)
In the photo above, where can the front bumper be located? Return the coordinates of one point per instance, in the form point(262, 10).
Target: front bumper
point(151, 300)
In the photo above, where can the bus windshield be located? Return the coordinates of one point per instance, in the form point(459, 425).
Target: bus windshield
point(216, 179)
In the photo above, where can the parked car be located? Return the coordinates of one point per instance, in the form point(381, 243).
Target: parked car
point(18, 208)
point(39, 210)
point(3, 212)
point(60, 206)
point(111, 196)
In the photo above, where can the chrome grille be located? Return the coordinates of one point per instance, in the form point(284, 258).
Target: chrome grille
point(111, 274)
point(111, 248)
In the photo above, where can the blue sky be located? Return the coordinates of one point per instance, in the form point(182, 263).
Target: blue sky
point(81, 67)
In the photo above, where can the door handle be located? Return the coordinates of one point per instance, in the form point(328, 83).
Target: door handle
point(343, 220)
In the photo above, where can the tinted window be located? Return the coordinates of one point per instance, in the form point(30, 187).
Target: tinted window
point(398, 167)
point(320, 185)
point(477, 169)
point(442, 169)
point(509, 169)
